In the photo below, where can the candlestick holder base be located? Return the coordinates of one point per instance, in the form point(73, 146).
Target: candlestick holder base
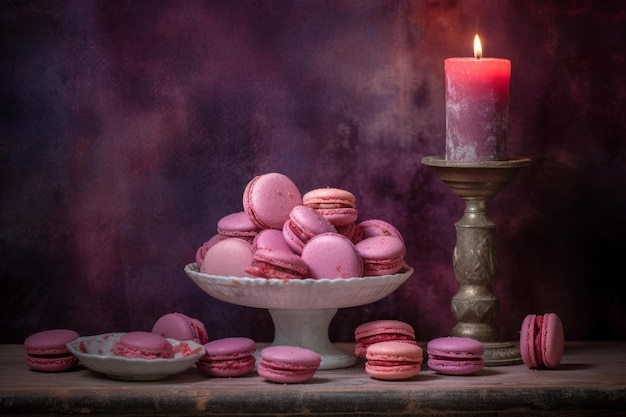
point(474, 306)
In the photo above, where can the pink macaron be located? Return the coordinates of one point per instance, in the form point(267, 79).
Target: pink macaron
point(271, 239)
point(229, 257)
point(179, 326)
point(542, 341)
point(228, 357)
point(302, 225)
point(378, 227)
point(269, 198)
point(237, 225)
point(337, 205)
point(393, 360)
point(331, 255)
point(204, 248)
point(276, 263)
point(352, 231)
point(455, 355)
point(288, 364)
point(381, 255)
point(143, 345)
point(46, 351)
point(381, 331)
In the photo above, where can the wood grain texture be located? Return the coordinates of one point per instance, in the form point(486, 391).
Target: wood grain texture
point(591, 381)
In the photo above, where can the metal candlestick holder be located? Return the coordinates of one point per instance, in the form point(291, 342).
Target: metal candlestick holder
point(474, 306)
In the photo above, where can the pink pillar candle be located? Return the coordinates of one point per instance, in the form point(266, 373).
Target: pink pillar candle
point(477, 108)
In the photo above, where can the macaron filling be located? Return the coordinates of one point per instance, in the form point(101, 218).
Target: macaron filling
point(225, 367)
point(373, 362)
point(383, 337)
point(269, 263)
point(467, 359)
point(264, 269)
point(46, 359)
point(282, 368)
point(382, 266)
point(539, 339)
point(323, 198)
point(300, 231)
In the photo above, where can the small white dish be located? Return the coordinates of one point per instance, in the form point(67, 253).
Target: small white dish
point(95, 353)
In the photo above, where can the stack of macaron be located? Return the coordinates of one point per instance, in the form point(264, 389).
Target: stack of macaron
point(390, 349)
point(378, 331)
point(315, 235)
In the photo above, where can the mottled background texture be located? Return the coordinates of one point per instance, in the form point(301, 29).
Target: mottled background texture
point(129, 128)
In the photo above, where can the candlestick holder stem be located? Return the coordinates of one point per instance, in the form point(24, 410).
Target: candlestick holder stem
point(474, 306)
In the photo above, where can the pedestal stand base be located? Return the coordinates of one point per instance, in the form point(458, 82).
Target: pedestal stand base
point(501, 354)
point(309, 329)
point(474, 259)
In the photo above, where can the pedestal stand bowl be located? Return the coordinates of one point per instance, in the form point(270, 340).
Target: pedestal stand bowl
point(302, 309)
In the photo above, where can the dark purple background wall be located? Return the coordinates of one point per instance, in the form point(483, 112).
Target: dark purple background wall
point(129, 128)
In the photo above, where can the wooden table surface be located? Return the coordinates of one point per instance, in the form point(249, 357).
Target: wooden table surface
point(591, 381)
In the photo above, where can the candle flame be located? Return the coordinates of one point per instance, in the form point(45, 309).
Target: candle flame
point(478, 49)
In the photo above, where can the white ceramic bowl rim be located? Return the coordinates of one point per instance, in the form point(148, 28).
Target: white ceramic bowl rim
point(306, 293)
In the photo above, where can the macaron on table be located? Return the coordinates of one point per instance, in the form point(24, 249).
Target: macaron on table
point(455, 355)
point(542, 340)
point(46, 351)
point(288, 364)
point(228, 357)
point(393, 360)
